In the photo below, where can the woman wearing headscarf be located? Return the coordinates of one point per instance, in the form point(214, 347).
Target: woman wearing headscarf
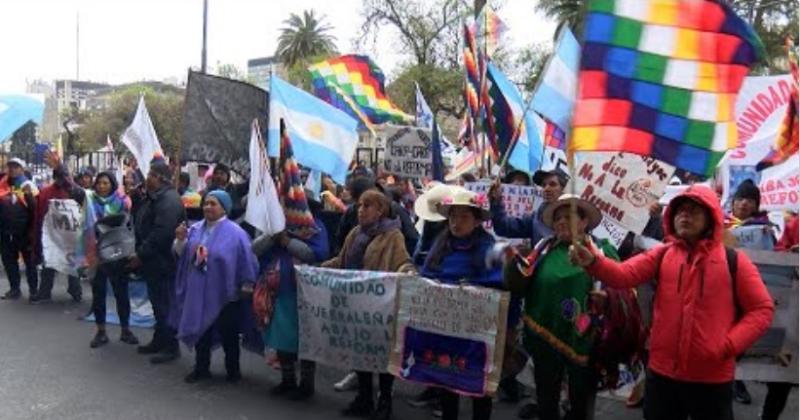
point(462, 253)
point(304, 241)
point(215, 267)
point(556, 312)
point(106, 199)
point(375, 244)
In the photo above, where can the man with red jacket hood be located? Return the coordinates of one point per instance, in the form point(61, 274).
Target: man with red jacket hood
point(699, 323)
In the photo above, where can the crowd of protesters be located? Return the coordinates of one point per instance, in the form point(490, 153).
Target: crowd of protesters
point(202, 266)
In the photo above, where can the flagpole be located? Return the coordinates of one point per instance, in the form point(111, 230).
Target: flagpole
point(205, 33)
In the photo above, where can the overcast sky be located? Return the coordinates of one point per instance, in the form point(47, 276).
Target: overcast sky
point(130, 40)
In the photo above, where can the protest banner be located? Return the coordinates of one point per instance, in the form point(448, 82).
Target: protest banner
point(408, 152)
point(611, 231)
point(754, 236)
point(518, 201)
point(216, 120)
point(346, 317)
point(449, 336)
point(780, 186)
point(61, 232)
point(621, 185)
point(773, 358)
point(760, 107)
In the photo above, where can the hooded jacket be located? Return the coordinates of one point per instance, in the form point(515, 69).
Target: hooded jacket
point(695, 333)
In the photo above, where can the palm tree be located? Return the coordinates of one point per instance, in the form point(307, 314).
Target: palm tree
point(304, 37)
point(565, 12)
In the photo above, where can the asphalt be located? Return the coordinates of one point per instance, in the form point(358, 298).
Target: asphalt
point(48, 371)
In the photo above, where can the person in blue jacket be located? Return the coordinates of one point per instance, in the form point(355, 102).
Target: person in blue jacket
point(530, 226)
point(463, 254)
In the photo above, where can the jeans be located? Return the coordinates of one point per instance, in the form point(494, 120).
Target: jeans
point(668, 399)
point(119, 285)
point(11, 246)
point(48, 277)
point(227, 325)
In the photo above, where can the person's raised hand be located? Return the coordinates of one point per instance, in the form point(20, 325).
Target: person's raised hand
point(582, 255)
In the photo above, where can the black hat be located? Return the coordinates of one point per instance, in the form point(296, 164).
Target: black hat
point(540, 175)
point(224, 168)
point(748, 189)
point(161, 169)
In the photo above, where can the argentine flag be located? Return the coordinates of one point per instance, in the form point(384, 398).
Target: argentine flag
point(554, 98)
point(17, 110)
point(323, 137)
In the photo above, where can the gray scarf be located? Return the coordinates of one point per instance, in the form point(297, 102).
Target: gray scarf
point(354, 258)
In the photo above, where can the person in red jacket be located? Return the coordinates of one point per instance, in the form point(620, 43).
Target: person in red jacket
point(789, 240)
point(699, 324)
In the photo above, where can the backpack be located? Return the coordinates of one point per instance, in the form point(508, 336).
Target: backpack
point(732, 259)
point(116, 242)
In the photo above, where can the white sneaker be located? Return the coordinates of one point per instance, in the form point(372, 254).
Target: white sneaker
point(348, 383)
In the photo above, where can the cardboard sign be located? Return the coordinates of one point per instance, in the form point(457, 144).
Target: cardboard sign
point(621, 185)
point(346, 317)
point(449, 336)
point(408, 152)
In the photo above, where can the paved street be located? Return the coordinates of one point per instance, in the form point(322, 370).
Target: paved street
point(47, 371)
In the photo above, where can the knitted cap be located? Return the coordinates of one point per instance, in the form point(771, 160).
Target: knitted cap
point(748, 189)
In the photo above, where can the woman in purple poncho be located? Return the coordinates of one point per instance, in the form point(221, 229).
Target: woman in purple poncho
point(215, 265)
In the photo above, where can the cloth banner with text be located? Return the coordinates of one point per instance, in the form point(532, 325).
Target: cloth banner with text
point(518, 200)
point(346, 317)
point(61, 232)
point(449, 336)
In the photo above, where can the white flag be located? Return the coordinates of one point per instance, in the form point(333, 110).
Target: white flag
point(140, 138)
point(264, 210)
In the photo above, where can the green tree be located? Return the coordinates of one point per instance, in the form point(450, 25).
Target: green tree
point(430, 32)
point(304, 37)
point(564, 12)
point(165, 109)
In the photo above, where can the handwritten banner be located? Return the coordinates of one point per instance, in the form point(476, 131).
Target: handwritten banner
point(61, 232)
point(449, 336)
point(346, 317)
point(621, 185)
point(760, 107)
point(773, 358)
point(408, 152)
point(780, 186)
point(518, 201)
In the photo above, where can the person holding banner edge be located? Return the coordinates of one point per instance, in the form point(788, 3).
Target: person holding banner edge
point(463, 254)
point(376, 244)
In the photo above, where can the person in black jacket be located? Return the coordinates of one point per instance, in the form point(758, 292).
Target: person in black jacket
point(357, 186)
point(17, 207)
point(156, 218)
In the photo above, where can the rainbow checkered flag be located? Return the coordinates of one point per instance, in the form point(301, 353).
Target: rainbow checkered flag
point(355, 85)
point(660, 78)
point(299, 220)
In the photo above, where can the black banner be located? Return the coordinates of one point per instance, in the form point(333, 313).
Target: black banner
point(216, 121)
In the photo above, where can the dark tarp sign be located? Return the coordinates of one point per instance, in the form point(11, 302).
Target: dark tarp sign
point(216, 121)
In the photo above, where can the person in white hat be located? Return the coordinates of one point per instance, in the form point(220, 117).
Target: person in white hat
point(556, 310)
point(462, 253)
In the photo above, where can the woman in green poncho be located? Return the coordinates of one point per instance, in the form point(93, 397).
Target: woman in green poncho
point(558, 331)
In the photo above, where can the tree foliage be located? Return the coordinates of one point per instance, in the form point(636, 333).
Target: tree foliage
point(430, 32)
point(442, 88)
point(304, 37)
point(165, 109)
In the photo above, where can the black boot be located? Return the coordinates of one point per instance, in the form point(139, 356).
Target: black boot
point(306, 388)
point(288, 378)
point(362, 406)
point(168, 354)
point(154, 346)
point(197, 375)
point(100, 339)
point(384, 410)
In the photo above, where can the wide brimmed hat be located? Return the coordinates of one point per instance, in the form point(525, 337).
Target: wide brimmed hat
point(591, 212)
point(17, 161)
point(460, 196)
point(426, 206)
